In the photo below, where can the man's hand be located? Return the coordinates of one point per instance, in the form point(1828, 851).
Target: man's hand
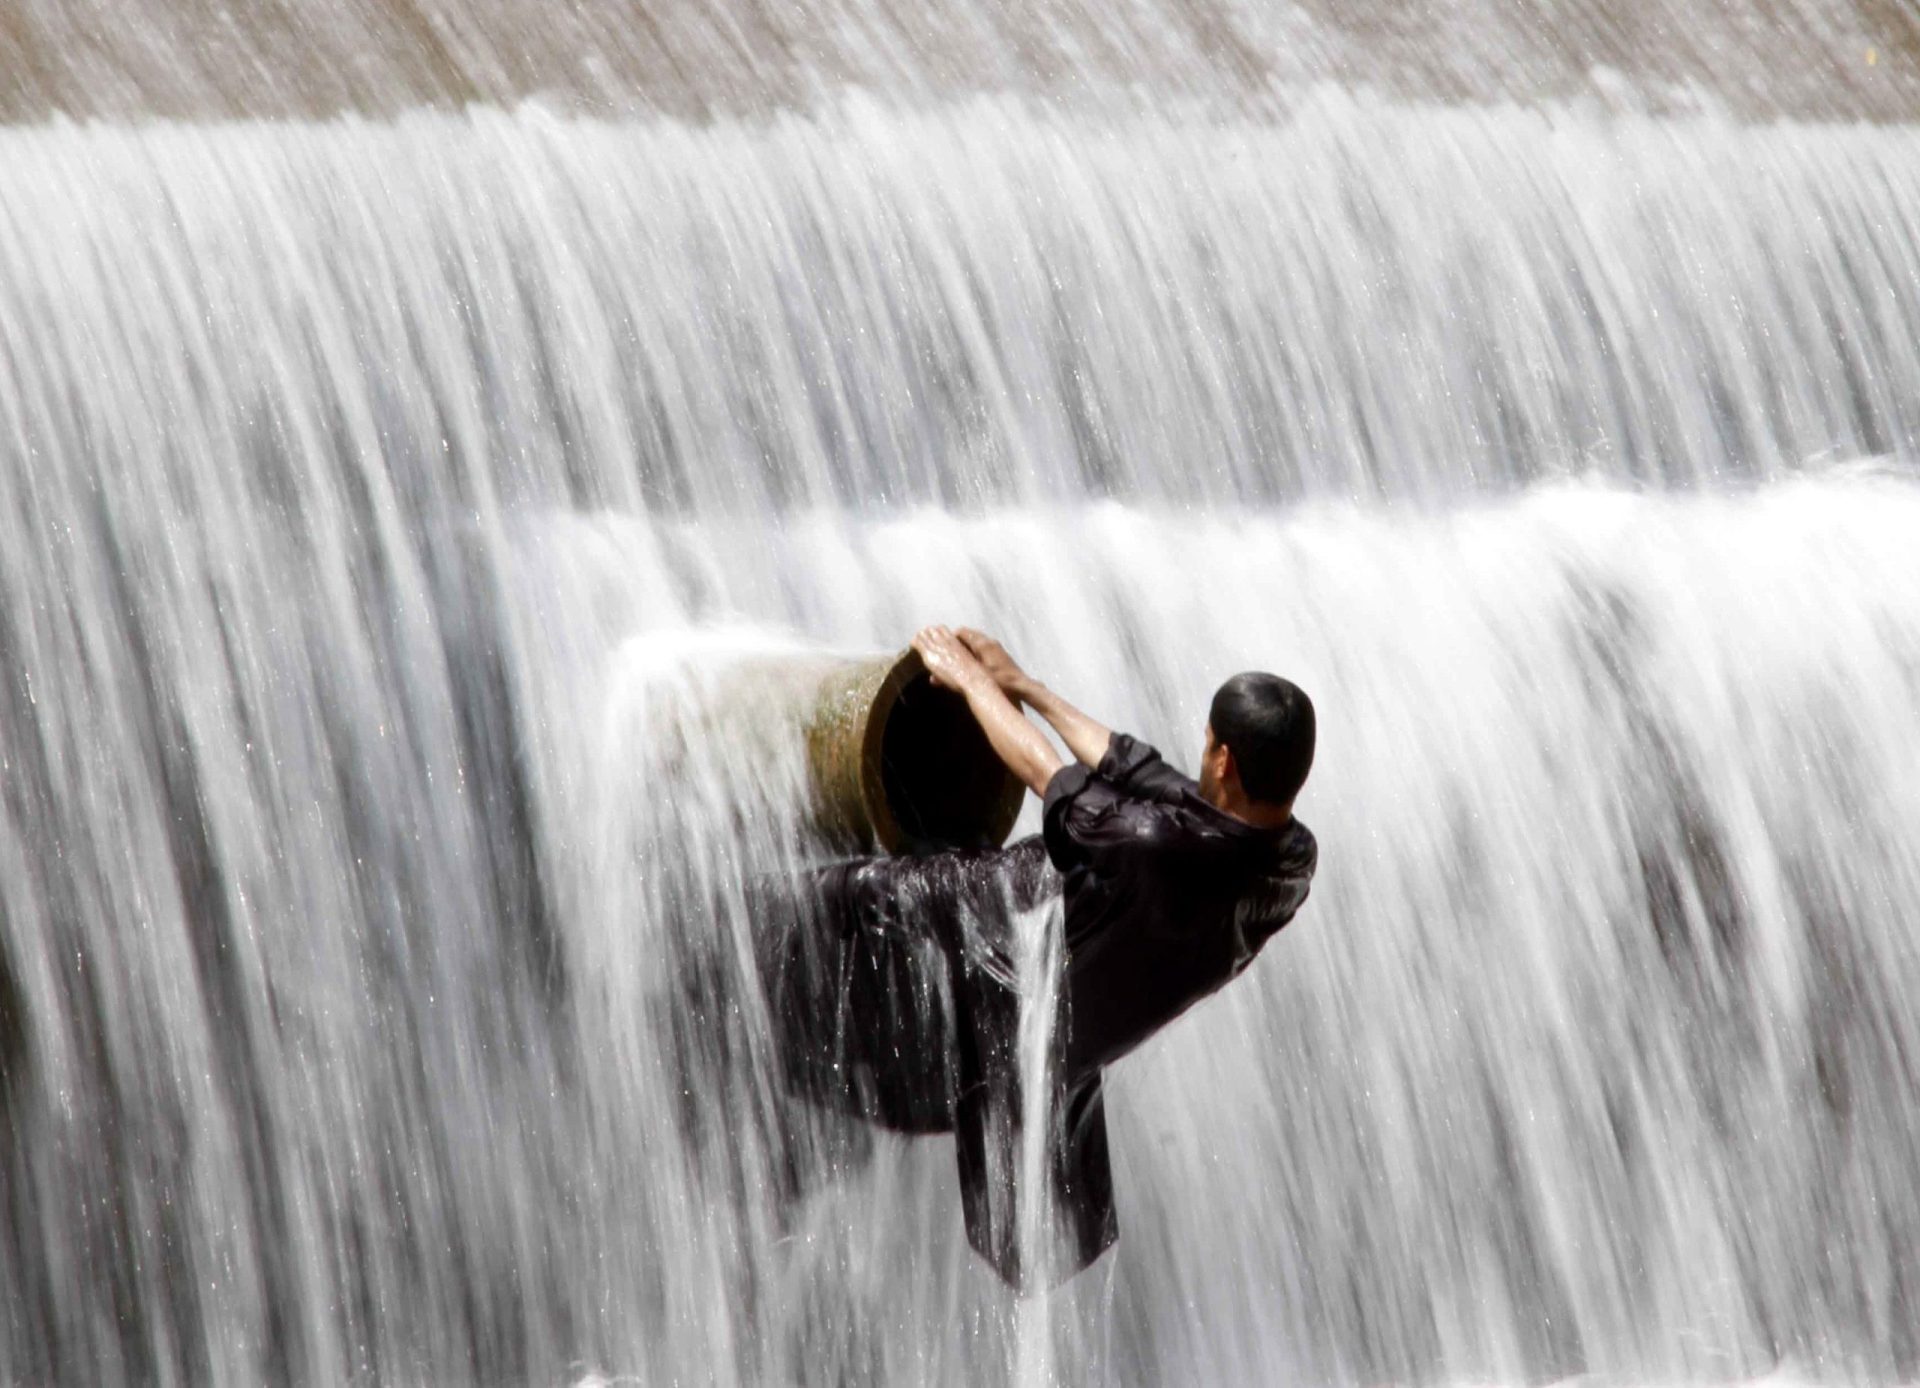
point(950, 664)
point(1086, 739)
point(1019, 744)
point(993, 657)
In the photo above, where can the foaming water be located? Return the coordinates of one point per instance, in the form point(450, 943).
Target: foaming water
point(1038, 962)
point(399, 523)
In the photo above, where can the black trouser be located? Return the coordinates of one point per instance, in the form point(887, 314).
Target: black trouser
point(895, 988)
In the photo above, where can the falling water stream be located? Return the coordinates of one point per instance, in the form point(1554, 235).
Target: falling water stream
point(392, 515)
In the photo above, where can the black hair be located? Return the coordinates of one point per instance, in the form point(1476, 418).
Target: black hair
point(1268, 723)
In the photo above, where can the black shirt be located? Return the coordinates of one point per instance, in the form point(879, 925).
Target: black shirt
point(1167, 898)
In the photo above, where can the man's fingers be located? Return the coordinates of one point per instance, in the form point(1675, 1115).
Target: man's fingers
point(991, 654)
point(980, 643)
point(943, 654)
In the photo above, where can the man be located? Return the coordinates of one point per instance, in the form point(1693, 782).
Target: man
point(1170, 887)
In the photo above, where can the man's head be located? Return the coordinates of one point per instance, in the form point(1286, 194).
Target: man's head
point(1260, 735)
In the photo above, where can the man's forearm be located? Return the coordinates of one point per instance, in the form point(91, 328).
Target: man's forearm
point(1023, 747)
point(1086, 738)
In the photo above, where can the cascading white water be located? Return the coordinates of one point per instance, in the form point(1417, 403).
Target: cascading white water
point(384, 511)
point(982, 305)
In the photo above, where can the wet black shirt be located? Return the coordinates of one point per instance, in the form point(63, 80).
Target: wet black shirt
point(1167, 898)
point(896, 985)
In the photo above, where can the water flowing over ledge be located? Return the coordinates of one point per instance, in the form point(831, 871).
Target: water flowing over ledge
point(381, 509)
point(978, 305)
point(377, 899)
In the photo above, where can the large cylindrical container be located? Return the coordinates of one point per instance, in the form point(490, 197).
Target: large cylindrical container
point(901, 766)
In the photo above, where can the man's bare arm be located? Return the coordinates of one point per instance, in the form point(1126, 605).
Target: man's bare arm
point(1023, 747)
point(1086, 737)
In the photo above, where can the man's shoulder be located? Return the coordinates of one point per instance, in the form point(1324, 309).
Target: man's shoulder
point(1297, 847)
point(1273, 896)
point(1137, 769)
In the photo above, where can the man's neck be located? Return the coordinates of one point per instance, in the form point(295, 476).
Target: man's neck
point(1255, 812)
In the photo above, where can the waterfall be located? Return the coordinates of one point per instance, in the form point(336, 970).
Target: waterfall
point(387, 510)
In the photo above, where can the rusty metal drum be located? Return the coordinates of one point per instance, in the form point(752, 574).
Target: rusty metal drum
point(900, 766)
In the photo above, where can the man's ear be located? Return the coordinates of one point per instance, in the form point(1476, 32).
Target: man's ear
point(1229, 769)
